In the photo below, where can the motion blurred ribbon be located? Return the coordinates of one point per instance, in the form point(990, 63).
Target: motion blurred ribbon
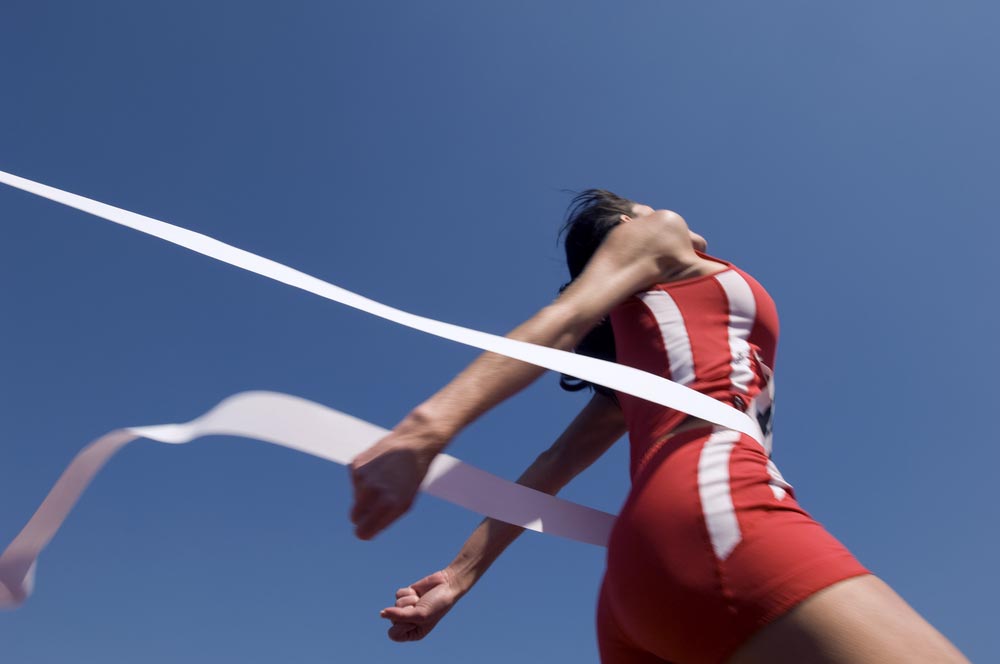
point(292, 422)
point(308, 427)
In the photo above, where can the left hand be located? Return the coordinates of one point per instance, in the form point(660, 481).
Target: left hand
point(421, 606)
point(386, 478)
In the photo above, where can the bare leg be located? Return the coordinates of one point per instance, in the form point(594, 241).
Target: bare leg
point(857, 621)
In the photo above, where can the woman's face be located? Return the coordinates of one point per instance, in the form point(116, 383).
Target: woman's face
point(639, 211)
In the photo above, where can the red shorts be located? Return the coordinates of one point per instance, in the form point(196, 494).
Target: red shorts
point(709, 547)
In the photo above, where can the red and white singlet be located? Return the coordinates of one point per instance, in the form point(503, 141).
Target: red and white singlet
point(711, 544)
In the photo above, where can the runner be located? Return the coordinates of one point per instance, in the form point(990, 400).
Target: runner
point(711, 559)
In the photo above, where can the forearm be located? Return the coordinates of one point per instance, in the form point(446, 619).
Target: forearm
point(493, 378)
point(492, 537)
point(387, 475)
point(584, 441)
point(623, 265)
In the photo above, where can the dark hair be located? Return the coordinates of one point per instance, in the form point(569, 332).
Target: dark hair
point(590, 217)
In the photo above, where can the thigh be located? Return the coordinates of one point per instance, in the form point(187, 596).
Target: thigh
point(857, 621)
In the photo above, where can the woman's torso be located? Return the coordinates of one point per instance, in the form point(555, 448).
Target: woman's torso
point(716, 333)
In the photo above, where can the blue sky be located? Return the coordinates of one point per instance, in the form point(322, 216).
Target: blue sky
point(845, 154)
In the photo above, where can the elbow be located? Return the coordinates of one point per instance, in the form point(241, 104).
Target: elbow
point(550, 460)
point(553, 470)
point(572, 324)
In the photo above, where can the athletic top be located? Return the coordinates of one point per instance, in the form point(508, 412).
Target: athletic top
point(716, 334)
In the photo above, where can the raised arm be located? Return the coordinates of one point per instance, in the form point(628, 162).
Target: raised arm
point(421, 605)
point(635, 255)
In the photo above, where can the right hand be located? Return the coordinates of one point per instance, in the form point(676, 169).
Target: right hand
point(387, 475)
point(420, 606)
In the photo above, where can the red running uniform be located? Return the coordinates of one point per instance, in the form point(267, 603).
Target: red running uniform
point(711, 544)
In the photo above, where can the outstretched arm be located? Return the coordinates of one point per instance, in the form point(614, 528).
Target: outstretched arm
point(420, 606)
point(633, 256)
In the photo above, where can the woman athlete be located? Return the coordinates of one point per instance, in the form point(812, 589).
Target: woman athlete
point(711, 558)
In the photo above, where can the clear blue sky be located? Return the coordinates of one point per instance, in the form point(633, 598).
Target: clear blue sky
point(846, 154)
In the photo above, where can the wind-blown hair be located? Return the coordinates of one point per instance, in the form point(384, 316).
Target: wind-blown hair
point(590, 217)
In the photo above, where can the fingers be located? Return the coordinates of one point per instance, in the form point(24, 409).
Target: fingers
point(375, 517)
point(372, 510)
point(410, 614)
point(376, 505)
point(428, 582)
point(362, 506)
point(406, 607)
point(362, 496)
point(409, 623)
point(407, 599)
point(415, 614)
point(405, 632)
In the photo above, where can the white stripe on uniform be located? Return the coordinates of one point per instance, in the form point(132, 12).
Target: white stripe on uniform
point(715, 494)
point(742, 313)
point(674, 333)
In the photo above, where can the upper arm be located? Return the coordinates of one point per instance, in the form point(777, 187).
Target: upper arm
point(599, 424)
point(633, 257)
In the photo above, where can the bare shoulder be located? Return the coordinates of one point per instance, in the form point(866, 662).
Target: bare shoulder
point(635, 255)
point(663, 232)
point(662, 239)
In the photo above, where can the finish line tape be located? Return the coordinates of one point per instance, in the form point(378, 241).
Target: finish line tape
point(298, 424)
point(452, 480)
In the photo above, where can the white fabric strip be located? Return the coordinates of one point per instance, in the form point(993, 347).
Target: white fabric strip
point(615, 376)
point(742, 313)
point(714, 491)
point(674, 332)
point(763, 409)
point(779, 487)
point(302, 425)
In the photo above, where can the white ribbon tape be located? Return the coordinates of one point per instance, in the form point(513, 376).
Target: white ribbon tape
point(302, 425)
point(616, 376)
point(311, 428)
